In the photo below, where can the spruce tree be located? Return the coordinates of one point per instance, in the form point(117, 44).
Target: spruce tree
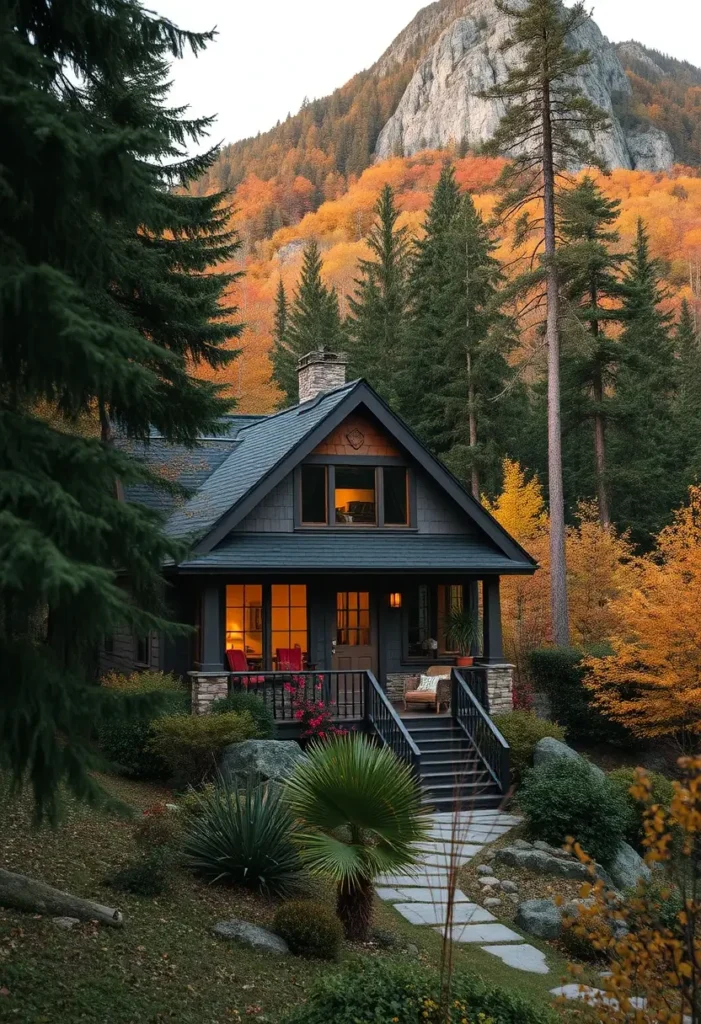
point(643, 467)
point(105, 307)
point(590, 275)
point(377, 323)
point(545, 130)
point(687, 343)
point(312, 323)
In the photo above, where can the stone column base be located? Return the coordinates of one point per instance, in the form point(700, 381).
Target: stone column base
point(396, 682)
point(206, 688)
point(500, 688)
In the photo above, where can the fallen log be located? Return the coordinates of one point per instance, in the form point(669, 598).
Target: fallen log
point(23, 893)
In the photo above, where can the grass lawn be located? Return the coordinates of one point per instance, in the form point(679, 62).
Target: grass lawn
point(165, 965)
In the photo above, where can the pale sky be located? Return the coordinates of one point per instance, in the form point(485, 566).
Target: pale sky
point(270, 54)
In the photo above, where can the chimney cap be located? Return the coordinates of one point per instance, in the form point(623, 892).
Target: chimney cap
point(322, 355)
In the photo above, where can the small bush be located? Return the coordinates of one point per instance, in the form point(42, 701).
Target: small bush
point(141, 682)
point(193, 801)
point(247, 837)
point(566, 798)
point(558, 671)
point(310, 929)
point(157, 828)
point(662, 792)
point(191, 746)
point(522, 730)
point(148, 876)
point(240, 701)
point(381, 990)
point(124, 739)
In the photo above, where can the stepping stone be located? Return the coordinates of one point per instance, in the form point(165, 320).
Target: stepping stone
point(436, 913)
point(419, 895)
point(440, 845)
point(586, 993)
point(523, 958)
point(447, 860)
point(481, 933)
point(435, 880)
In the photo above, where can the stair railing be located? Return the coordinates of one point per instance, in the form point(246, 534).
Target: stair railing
point(383, 718)
point(488, 742)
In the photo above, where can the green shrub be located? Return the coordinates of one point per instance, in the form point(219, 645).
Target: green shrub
point(147, 876)
point(191, 746)
point(124, 739)
point(662, 792)
point(382, 990)
point(158, 828)
point(522, 730)
point(567, 798)
point(141, 682)
point(558, 672)
point(245, 836)
point(310, 929)
point(240, 701)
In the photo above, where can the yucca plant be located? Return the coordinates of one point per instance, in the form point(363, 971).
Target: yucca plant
point(245, 835)
point(359, 814)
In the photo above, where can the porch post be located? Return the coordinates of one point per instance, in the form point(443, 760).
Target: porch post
point(473, 598)
point(209, 682)
point(500, 675)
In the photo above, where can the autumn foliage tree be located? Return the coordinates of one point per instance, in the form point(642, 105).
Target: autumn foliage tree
point(651, 682)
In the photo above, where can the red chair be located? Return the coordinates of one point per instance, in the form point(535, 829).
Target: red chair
point(289, 659)
point(237, 662)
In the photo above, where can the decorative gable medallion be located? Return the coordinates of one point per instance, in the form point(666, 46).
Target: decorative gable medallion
point(355, 438)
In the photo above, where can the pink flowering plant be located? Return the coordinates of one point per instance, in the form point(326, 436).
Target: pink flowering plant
point(314, 714)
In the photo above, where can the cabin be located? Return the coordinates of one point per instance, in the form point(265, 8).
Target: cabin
point(325, 541)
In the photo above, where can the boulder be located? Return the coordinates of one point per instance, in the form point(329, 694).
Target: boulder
point(508, 886)
point(540, 863)
point(66, 923)
point(549, 749)
point(540, 918)
point(484, 869)
point(489, 882)
point(251, 935)
point(628, 868)
point(272, 760)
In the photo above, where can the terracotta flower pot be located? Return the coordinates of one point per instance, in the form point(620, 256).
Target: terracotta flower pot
point(464, 662)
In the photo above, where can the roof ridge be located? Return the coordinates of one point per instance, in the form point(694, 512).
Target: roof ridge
point(303, 406)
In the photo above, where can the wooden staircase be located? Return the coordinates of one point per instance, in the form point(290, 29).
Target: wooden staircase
point(452, 772)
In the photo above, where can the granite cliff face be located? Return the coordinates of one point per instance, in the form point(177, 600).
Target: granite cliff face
point(461, 41)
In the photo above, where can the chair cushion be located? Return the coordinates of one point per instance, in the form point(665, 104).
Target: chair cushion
point(420, 696)
point(427, 684)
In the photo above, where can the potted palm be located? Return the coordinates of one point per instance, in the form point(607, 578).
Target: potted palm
point(461, 633)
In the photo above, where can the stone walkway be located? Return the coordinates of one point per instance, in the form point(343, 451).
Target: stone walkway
point(421, 894)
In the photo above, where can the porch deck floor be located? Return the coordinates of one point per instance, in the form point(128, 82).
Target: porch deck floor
point(428, 715)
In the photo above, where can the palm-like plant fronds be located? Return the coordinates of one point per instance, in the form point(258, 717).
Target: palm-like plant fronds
point(359, 814)
point(245, 836)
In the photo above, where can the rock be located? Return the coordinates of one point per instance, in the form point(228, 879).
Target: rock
point(508, 886)
point(540, 917)
point(273, 760)
point(490, 855)
point(412, 949)
point(540, 863)
point(522, 844)
point(552, 851)
point(484, 869)
point(628, 868)
point(442, 105)
point(489, 882)
point(252, 935)
point(513, 897)
point(493, 901)
point(66, 922)
point(549, 749)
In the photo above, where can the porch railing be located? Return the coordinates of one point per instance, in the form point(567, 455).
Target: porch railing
point(383, 718)
point(471, 716)
point(351, 696)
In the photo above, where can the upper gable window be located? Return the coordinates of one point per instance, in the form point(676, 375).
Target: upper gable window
point(354, 495)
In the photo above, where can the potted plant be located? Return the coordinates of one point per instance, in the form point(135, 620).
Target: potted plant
point(461, 633)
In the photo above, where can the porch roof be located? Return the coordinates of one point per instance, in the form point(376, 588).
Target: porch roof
point(369, 552)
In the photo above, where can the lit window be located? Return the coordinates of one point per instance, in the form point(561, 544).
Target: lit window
point(289, 619)
point(244, 619)
point(314, 495)
point(396, 496)
point(354, 498)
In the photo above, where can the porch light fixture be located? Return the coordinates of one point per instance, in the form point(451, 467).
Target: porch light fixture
point(395, 600)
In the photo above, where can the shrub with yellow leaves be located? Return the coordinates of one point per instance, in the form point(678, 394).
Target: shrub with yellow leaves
point(653, 939)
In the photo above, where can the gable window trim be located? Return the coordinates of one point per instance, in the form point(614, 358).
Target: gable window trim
point(331, 525)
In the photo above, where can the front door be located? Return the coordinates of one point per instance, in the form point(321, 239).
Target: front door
point(355, 644)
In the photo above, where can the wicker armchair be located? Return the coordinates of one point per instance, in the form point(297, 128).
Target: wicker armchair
point(437, 698)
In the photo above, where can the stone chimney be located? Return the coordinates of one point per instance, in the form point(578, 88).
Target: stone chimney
point(320, 371)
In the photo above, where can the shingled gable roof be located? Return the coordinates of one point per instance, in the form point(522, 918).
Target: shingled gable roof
point(268, 449)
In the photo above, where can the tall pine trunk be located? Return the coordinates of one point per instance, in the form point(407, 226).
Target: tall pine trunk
point(474, 472)
point(599, 426)
point(558, 565)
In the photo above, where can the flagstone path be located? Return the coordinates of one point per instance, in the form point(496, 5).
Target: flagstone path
point(421, 893)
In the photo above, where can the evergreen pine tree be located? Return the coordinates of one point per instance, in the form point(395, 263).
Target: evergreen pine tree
point(687, 343)
point(643, 468)
point(104, 307)
point(590, 274)
point(546, 130)
point(312, 323)
point(377, 322)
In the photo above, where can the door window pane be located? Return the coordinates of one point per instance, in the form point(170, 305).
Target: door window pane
point(449, 599)
point(244, 619)
point(353, 619)
point(354, 498)
point(396, 496)
point(289, 621)
point(314, 494)
point(420, 621)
